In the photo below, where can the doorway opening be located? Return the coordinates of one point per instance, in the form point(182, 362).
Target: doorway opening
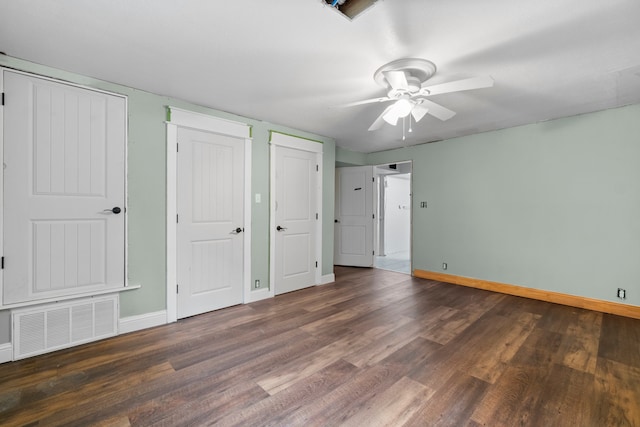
point(392, 228)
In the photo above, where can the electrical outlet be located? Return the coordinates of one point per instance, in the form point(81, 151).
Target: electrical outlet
point(256, 284)
point(444, 265)
point(622, 294)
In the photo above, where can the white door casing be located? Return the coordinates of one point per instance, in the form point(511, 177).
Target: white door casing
point(211, 221)
point(64, 150)
point(182, 119)
point(296, 206)
point(354, 216)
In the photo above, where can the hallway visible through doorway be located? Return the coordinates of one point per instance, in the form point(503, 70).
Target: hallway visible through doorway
point(393, 225)
point(398, 261)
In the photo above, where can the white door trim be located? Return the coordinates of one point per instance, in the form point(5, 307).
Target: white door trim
point(278, 139)
point(177, 117)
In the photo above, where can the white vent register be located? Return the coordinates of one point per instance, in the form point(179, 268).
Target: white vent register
point(50, 327)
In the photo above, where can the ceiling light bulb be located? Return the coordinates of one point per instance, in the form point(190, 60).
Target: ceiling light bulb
point(404, 107)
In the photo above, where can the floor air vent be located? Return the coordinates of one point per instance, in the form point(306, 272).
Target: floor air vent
point(50, 327)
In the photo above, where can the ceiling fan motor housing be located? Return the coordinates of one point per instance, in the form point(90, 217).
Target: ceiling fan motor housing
point(417, 71)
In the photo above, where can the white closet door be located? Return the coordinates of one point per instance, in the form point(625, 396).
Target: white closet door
point(354, 216)
point(64, 181)
point(295, 218)
point(210, 240)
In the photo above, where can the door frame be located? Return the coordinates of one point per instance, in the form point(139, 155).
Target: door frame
point(176, 118)
point(278, 139)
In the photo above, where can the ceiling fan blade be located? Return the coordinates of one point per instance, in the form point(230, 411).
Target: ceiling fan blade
point(397, 79)
point(458, 85)
point(418, 112)
point(437, 110)
point(402, 108)
point(377, 124)
point(366, 101)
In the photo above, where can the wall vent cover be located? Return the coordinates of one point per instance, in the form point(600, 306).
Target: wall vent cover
point(50, 327)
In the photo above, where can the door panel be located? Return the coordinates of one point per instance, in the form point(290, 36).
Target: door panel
point(296, 191)
point(210, 208)
point(64, 155)
point(354, 216)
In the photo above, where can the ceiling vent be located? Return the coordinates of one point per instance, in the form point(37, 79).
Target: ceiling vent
point(350, 8)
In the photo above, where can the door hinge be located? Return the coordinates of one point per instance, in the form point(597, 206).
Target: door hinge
point(317, 168)
point(373, 179)
point(316, 215)
point(373, 252)
point(176, 218)
point(2, 264)
point(177, 147)
point(2, 98)
point(373, 216)
point(177, 288)
point(316, 264)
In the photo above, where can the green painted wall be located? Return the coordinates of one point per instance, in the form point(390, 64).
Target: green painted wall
point(553, 206)
point(349, 158)
point(147, 190)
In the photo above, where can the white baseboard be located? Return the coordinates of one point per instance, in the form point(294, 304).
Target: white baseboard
point(327, 278)
point(142, 321)
point(6, 352)
point(259, 295)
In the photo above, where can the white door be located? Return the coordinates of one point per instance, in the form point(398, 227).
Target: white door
point(295, 219)
point(354, 216)
point(210, 193)
point(63, 189)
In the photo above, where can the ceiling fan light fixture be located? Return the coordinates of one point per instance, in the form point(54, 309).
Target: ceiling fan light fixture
point(401, 109)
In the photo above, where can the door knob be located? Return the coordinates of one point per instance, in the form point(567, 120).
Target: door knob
point(280, 228)
point(115, 210)
point(237, 230)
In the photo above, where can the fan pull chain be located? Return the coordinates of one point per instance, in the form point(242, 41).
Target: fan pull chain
point(410, 130)
point(403, 128)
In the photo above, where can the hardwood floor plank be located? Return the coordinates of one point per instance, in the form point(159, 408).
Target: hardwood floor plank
point(288, 374)
point(346, 400)
point(451, 405)
point(617, 393)
point(392, 407)
point(385, 345)
point(619, 340)
point(567, 401)
point(580, 345)
point(278, 406)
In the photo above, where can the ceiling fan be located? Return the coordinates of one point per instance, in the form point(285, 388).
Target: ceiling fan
point(405, 79)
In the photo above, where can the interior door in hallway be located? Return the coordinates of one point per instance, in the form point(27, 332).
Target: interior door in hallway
point(354, 216)
point(295, 218)
point(210, 191)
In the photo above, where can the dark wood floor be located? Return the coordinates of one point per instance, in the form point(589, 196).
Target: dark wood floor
point(375, 348)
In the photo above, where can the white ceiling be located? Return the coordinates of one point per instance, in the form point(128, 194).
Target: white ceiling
point(292, 61)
